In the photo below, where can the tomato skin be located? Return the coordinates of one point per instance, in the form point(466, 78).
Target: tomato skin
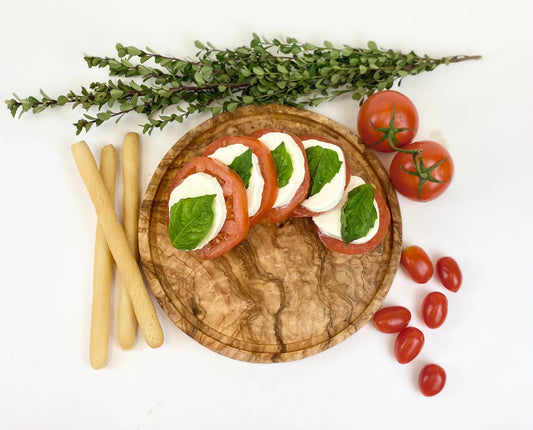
point(408, 344)
point(377, 110)
point(407, 184)
point(300, 211)
point(434, 309)
point(449, 273)
point(280, 214)
point(417, 264)
point(236, 226)
point(431, 380)
point(392, 319)
point(337, 245)
point(266, 165)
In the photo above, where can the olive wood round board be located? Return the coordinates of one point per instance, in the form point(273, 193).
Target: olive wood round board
point(279, 295)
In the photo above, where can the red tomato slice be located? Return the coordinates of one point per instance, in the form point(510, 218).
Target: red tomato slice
point(280, 214)
point(236, 226)
point(356, 249)
point(266, 165)
point(300, 211)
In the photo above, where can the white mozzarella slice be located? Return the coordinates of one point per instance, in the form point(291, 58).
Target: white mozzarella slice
point(202, 184)
point(329, 223)
point(254, 192)
point(333, 191)
point(272, 141)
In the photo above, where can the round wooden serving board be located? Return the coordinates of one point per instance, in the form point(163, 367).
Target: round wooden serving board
point(280, 295)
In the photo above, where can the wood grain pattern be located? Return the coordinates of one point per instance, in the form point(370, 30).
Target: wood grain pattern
point(280, 295)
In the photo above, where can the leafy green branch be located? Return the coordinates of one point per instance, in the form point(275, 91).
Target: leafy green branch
point(266, 71)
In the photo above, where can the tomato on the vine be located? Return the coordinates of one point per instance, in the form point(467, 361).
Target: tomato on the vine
point(408, 344)
point(417, 264)
point(449, 273)
point(431, 380)
point(387, 115)
point(423, 175)
point(392, 319)
point(434, 309)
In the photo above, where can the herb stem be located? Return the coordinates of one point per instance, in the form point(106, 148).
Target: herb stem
point(267, 71)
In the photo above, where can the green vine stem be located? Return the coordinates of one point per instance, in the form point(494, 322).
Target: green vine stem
point(167, 89)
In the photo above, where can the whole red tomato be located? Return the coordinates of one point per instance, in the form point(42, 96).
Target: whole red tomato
point(417, 264)
point(408, 344)
point(431, 380)
point(449, 273)
point(392, 319)
point(424, 176)
point(376, 124)
point(434, 309)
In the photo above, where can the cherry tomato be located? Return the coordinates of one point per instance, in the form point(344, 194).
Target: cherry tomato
point(408, 344)
point(434, 309)
point(449, 273)
point(337, 245)
point(417, 264)
point(392, 319)
point(377, 111)
point(434, 169)
point(300, 211)
point(236, 226)
point(266, 165)
point(431, 380)
point(281, 213)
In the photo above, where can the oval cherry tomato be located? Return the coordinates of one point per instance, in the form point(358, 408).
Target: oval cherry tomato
point(376, 112)
point(431, 380)
point(437, 171)
point(408, 344)
point(300, 211)
point(392, 319)
point(281, 213)
point(417, 264)
point(266, 165)
point(236, 226)
point(449, 273)
point(337, 245)
point(434, 309)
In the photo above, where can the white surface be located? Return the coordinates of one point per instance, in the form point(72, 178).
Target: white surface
point(484, 110)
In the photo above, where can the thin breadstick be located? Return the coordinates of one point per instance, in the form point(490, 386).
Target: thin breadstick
point(118, 244)
point(131, 159)
point(102, 272)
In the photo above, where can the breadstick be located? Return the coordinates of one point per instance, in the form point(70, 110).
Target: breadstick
point(118, 244)
point(102, 272)
point(131, 148)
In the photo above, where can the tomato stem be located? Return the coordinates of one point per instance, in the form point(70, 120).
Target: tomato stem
point(421, 171)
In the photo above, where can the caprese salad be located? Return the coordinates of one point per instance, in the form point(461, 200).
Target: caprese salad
point(268, 177)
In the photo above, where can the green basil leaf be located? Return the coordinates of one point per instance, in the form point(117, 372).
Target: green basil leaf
point(323, 164)
point(242, 165)
point(283, 163)
point(358, 215)
point(190, 221)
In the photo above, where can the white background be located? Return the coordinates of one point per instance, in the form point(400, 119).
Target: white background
point(482, 108)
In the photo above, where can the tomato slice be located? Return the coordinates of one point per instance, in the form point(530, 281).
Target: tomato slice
point(266, 165)
point(300, 211)
point(283, 212)
point(337, 245)
point(236, 226)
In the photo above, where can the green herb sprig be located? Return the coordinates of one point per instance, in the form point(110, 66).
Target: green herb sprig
point(167, 89)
